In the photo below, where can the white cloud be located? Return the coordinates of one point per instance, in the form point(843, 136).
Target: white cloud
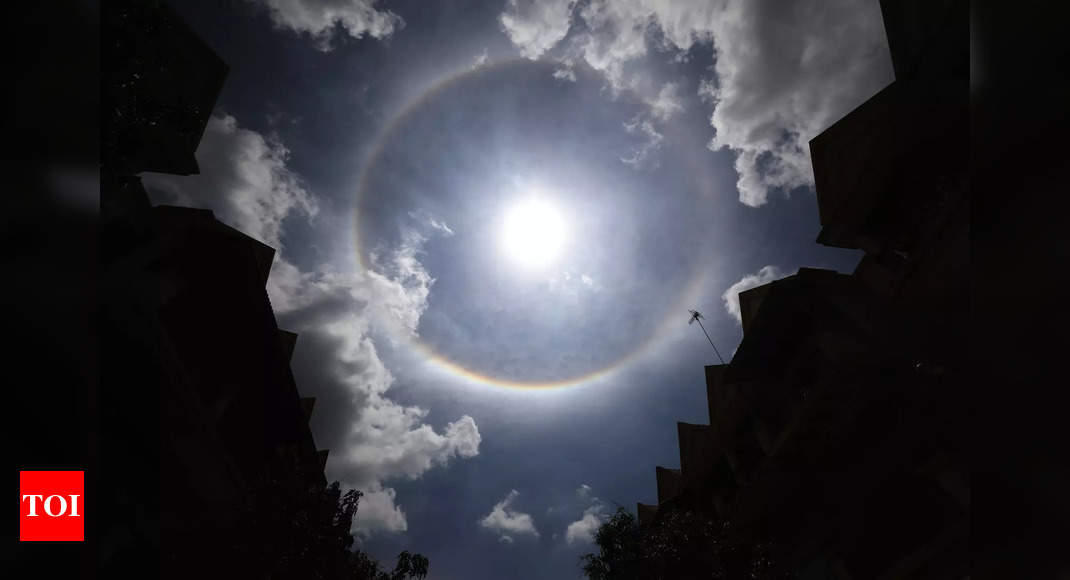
point(243, 179)
point(667, 102)
point(507, 522)
point(535, 26)
point(378, 510)
point(480, 59)
point(565, 73)
point(731, 295)
point(390, 441)
point(440, 226)
point(615, 35)
point(783, 73)
point(322, 18)
point(373, 439)
point(424, 218)
point(584, 529)
point(642, 154)
point(379, 439)
point(707, 91)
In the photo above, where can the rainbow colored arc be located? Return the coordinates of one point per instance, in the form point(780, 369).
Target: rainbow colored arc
point(690, 295)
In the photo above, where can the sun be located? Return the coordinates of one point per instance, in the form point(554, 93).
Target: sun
point(533, 233)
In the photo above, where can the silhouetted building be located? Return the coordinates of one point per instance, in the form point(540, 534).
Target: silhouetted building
point(891, 176)
point(837, 431)
point(160, 81)
point(192, 301)
point(195, 375)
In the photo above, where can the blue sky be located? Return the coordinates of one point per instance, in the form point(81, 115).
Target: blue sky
point(382, 147)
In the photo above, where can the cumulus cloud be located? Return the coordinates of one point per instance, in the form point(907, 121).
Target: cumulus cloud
point(535, 26)
point(322, 19)
point(583, 530)
point(390, 441)
point(615, 34)
point(731, 295)
point(378, 510)
point(372, 438)
point(243, 178)
point(508, 522)
point(782, 73)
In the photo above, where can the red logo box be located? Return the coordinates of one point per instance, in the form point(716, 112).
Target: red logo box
point(51, 506)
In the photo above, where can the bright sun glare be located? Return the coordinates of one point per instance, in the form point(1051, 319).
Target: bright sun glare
point(533, 234)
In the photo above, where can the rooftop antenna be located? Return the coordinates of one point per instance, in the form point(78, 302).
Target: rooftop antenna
point(696, 316)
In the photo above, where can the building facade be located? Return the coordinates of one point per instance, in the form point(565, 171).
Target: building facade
point(837, 431)
point(200, 414)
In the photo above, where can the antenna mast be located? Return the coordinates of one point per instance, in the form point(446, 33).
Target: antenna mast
point(696, 316)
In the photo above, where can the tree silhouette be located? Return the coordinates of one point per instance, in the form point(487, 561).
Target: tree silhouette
point(410, 565)
point(678, 544)
point(293, 530)
point(696, 316)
